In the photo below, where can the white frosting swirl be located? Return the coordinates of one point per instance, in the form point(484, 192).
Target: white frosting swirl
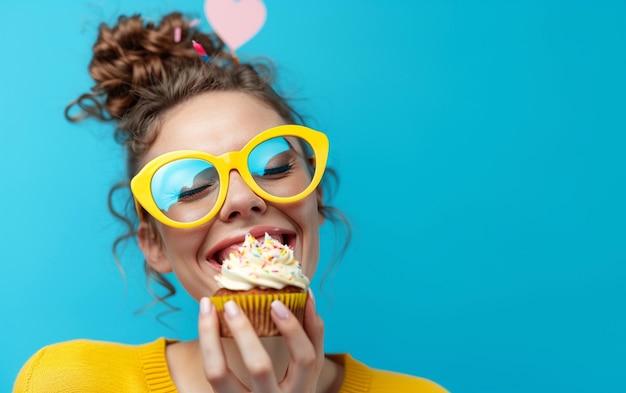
point(265, 264)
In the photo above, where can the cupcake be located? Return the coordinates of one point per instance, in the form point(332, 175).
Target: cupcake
point(256, 274)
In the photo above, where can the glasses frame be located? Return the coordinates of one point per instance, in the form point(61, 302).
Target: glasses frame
point(140, 184)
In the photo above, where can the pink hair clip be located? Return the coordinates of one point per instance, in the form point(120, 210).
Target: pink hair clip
point(177, 34)
point(200, 50)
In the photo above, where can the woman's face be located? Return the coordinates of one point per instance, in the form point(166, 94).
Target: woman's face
point(217, 123)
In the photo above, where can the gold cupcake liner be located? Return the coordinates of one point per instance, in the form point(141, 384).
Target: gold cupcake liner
point(257, 307)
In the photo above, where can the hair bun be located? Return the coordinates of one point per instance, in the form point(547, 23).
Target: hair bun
point(134, 54)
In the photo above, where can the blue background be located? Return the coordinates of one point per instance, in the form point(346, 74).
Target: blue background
point(481, 152)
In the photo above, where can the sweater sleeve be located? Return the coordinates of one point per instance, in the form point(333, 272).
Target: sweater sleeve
point(24, 377)
point(359, 378)
point(386, 381)
point(92, 366)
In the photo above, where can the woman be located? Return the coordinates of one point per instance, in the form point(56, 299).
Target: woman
point(164, 98)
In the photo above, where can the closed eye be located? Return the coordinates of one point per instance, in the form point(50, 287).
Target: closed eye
point(277, 170)
point(192, 192)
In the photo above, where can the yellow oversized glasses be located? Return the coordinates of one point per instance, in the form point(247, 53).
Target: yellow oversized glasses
point(187, 188)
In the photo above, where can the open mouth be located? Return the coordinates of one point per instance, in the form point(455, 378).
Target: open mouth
point(216, 258)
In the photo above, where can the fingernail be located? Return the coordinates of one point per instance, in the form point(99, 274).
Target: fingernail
point(279, 308)
point(205, 306)
point(311, 295)
point(231, 309)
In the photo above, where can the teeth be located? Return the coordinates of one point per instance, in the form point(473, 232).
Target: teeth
point(278, 237)
point(224, 254)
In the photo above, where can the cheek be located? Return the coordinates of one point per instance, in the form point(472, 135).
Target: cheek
point(180, 243)
point(311, 229)
point(309, 267)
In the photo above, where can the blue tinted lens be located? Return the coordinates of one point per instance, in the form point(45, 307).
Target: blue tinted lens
point(260, 158)
point(281, 166)
point(177, 187)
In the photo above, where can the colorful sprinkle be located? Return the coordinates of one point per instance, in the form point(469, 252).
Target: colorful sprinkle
point(262, 262)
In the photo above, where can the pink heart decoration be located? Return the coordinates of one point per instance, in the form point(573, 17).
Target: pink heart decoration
point(235, 21)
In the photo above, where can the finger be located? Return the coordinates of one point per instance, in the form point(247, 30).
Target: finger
point(302, 366)
point(214, 362)
point(255, 358)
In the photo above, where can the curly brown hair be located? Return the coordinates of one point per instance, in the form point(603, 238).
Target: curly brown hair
point(141, 72)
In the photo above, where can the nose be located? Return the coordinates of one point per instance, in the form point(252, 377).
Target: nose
point(240, 201)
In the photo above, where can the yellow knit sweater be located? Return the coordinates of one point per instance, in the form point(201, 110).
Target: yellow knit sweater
point(93, 366)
